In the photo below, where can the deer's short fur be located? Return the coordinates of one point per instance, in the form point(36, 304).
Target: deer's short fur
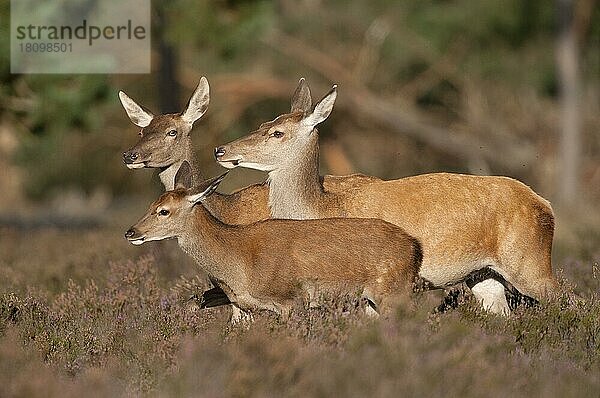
point(464, 222)
point(165, 143)
point(268, 264)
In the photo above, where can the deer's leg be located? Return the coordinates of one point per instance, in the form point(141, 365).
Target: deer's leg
point(214, 297)
point(489, 291)
point(249, 302)
point(372, 302)
point(492, 297)
point(526, 263)
point(240, 316)
point(311, 294)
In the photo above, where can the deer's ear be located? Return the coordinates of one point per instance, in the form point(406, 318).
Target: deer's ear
point(301, 100)
point(138, 115)
point(198, 103)
point(322, 109)
point(206, 189)
point(183, 178)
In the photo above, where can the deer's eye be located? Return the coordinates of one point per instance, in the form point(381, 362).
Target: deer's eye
point(172, 133)
point(277, 134)
point(164, 212)
point(141, 133)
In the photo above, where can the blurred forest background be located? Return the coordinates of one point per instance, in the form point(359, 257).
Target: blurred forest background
point(504, 87)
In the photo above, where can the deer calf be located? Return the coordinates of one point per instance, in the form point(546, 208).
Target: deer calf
point(268, 264)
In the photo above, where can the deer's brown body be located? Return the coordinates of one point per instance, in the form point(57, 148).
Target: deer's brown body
point(269, 264)
point(464, 222)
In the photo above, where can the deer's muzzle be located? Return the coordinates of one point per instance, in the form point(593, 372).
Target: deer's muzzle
point(133, 160)
point(219, 151)
point(134, 236)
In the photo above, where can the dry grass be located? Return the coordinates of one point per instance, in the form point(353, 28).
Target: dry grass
point(76, 319)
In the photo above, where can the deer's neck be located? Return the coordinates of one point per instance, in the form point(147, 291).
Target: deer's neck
point(295, 190)
point(212, 245)
point(167, 177)
point(167, 174)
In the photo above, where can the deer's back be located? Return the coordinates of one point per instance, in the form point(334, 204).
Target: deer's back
point(334, 251)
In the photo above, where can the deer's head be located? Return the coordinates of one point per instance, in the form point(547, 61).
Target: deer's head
point(164, 139)
point(169, 215)
point(281, 140)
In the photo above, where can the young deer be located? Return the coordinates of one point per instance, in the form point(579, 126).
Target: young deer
point(465, 223)
point(268, 264)
point(165, 143)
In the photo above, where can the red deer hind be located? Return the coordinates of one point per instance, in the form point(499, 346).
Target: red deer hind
point(466, 224)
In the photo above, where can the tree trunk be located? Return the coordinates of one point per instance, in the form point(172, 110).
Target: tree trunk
point(567, 62)
point(168, 88)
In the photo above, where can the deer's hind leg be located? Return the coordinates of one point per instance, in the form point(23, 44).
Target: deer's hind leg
point(392, 288)
point(525, 257)
point(489, 291)
point(530, 272)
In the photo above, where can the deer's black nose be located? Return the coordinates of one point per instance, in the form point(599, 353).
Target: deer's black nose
point(219, 151)
point(130, 233)
point(130, 157)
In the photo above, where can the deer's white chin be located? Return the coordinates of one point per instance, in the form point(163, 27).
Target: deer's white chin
point(136, 165)
point(229, 164)
point(232, 164)
point(145, 239)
